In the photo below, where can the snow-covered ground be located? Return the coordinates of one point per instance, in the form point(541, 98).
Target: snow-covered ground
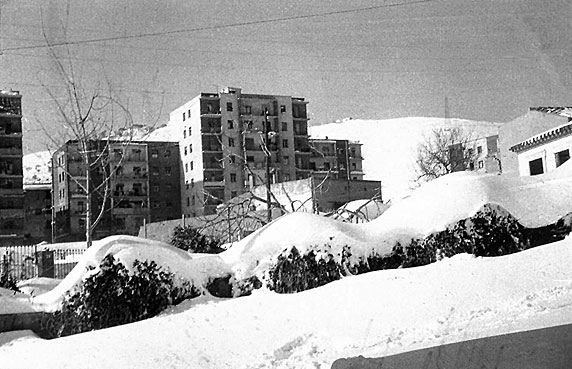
point(374, 314)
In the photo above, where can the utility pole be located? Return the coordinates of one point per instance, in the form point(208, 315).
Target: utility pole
point(267, 154)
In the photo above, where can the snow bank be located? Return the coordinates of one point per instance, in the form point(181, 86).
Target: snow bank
point(373, 314)
point(13, 302)
point(194, 268)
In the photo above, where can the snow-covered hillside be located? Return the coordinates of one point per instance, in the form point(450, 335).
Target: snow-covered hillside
point(389, 146)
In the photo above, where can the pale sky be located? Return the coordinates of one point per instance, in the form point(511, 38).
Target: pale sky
point(491, 59)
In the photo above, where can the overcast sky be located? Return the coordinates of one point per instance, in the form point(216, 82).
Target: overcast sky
point(491, 59)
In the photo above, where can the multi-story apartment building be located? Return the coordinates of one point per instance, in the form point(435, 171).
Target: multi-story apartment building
point(336, 159)
point(143, 176)
point(11, 175)
point(226, 138)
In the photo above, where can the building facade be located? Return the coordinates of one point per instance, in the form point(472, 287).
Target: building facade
point(534, 122)
point(142, 175)
point(544, 152)
point(481, 155)
point(336, 159)
point(226, 138)
point(11, 173)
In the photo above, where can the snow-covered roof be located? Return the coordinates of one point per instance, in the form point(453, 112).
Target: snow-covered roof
point(543, 138)
point(565, 111)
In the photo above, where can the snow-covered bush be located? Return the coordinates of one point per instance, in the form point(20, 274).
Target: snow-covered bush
point(488, 233)
point(295, 272)
point(114, 296)
point(189, 239)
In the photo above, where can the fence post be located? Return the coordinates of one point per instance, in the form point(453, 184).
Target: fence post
point(46, 264)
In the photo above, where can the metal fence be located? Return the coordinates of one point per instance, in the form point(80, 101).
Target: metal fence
point(19, 261)
point(30, 261)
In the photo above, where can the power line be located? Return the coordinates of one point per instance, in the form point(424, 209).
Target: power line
point(217, 27)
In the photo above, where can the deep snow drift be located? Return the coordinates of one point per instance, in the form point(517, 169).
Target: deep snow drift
point(374, 314)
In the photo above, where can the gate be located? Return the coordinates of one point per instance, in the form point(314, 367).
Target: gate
point(30, 261)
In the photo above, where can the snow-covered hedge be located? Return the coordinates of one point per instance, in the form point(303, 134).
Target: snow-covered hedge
point(490, 232)
point(115, 296)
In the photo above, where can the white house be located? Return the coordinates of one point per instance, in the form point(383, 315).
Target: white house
point(545, 151)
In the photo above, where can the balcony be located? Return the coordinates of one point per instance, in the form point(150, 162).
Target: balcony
point(10, 151)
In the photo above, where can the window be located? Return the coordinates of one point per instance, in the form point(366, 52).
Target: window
point(167, 153)
point(80, 206)
point(228, 106)
point(192, 166)
point(479, 149)
point(190, 148)
point(193, 201)
point(136, 170)
point(154, 154)
point(189, 131)
point(284, 126)
point(155, 171)
point(186, 167)
point(155, 188)
point(561, 157)
point(286, 177)
point(250, 158)
point(536, 167)
point(232, 159)
point(233, 177)
point(185, 133)
point(247, 109)
point(481, 164)
point(189, 113)
point(192, 182)
point(230, 142)
point(282, 108)
point(230, 124)
point(167, 171)
point(354, 166)
point(285, 143)
point(233, 193)
point(183, 117)
point(286, 160)
point(185, 150)
point(188, 201)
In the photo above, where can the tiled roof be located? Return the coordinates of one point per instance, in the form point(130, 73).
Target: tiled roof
point(544, 137)
point(565, 111)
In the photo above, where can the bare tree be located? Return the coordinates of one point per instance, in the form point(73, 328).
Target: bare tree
point(89, 118)
point(446, 150)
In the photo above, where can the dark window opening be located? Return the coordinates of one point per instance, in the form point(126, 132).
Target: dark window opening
point(536, 167)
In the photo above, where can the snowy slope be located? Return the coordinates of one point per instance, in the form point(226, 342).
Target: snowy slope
point(373, 315)
point(390, 146)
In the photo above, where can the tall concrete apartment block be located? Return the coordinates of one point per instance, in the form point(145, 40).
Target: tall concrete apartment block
point(221, 138)
point(11, 174)
point(144, 186)
point(336, 159)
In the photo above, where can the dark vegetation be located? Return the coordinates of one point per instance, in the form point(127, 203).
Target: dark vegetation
point(490, 232)
point(189, 239)
point(114, 296)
